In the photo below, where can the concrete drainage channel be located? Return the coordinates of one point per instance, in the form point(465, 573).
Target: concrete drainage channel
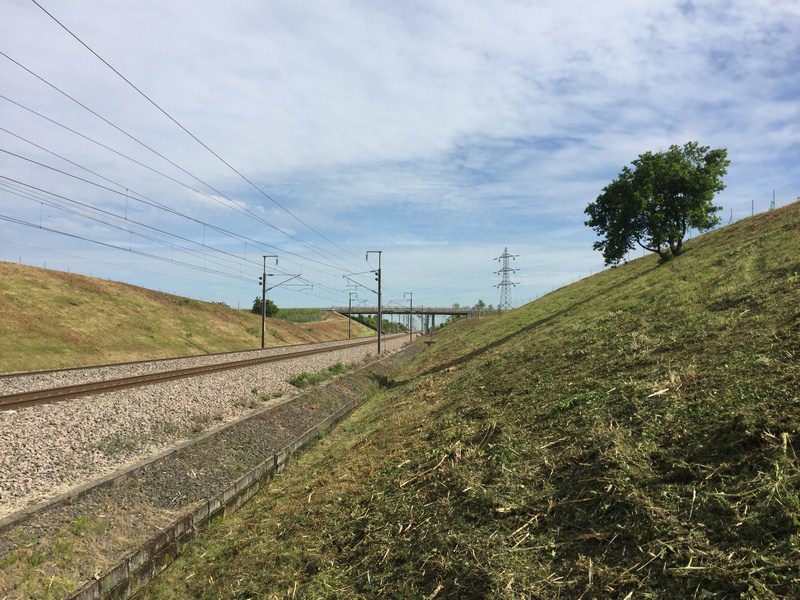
point(141, 566)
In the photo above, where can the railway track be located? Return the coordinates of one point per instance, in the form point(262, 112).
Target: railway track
point(172, 483)
point(56, 394)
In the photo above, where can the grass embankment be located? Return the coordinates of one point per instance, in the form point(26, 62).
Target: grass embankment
point(51, 319)
point(629, 436)
point(301, 315)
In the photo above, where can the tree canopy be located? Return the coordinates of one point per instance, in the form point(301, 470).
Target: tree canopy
point(654, 203)
point(271, 310)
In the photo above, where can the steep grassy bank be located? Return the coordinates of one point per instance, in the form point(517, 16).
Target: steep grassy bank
point(629, 436)
point(51, 319)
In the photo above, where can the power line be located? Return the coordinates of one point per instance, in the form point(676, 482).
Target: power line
point(96, 219)
point(147, 201)
point(108, 245)
point(30, 192)
point(236, 205)
point(240, 237)
point(107, 212)
point(193, 136)
point(233, 204)
point(39, 195)
point(137, 162)
point(129, 267)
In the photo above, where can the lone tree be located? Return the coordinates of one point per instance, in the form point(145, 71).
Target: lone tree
point(655, 203)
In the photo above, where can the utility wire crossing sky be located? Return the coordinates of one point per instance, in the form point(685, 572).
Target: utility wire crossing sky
point(174, 145)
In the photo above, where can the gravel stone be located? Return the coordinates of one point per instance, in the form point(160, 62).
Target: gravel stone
point(137, 506)
point(48, 450)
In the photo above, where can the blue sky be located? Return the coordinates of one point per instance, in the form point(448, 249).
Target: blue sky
point(439, 133)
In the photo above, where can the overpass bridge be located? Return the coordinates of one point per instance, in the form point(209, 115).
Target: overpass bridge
point(404, 310)
point(426, 313)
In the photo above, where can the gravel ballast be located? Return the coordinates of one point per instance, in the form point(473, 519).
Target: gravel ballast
point(47, 450)
point(74, 541)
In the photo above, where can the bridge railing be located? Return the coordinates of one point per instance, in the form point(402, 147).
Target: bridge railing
point(400, 310)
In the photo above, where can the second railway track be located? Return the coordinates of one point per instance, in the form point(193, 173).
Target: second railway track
point(55, 394)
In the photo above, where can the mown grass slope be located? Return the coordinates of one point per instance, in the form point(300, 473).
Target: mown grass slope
point(51, 319)
point(629, 436)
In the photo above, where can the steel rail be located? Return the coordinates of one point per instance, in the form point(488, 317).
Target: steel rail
point(44, 396)
point(16, 374)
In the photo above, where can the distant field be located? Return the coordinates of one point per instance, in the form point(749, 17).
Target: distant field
point(51, 319)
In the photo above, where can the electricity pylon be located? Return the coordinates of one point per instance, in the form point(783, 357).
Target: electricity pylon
point(505, 284)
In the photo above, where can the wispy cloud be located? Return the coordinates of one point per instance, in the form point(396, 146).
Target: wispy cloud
point(423, 127)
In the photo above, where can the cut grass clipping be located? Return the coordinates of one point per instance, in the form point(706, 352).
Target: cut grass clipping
point(633, 435)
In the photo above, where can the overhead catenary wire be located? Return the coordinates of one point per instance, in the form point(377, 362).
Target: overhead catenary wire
point(205, 269)
point(175, 121)
point(128, 194)
point(128, 230)
point(30, 192)
point(116, 265)
point(132, 160)
point(33, 189)
point(116, 247)
point(132, 193)
point(234, 204)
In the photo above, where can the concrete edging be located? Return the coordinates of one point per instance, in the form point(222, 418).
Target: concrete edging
point(141, 566)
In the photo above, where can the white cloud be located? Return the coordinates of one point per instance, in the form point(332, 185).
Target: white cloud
point(410, 124)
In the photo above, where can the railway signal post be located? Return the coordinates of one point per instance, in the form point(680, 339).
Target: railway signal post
point(263, 279)
point(378, 279)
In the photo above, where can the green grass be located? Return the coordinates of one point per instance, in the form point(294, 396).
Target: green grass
point(301, 315)
point(305, 379)
point(115, 444)
point(51, 319)
point(630, 436)
point(52, 567)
